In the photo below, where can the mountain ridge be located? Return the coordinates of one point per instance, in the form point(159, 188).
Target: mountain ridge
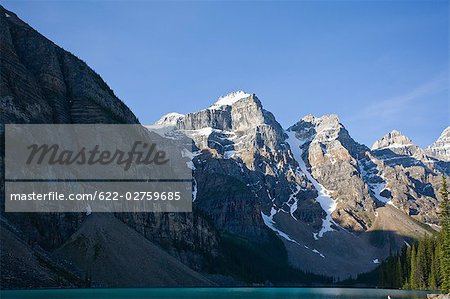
point(443, 138)
point(341, 185)
point(327, 204)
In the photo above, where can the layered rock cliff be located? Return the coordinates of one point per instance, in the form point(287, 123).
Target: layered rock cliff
point(333, 158)
point(410, 176)
point(42, 83)
point(243, 167)
point(312, 194)
point(440, 149)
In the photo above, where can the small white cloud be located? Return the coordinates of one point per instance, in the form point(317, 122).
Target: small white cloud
point(391, 108)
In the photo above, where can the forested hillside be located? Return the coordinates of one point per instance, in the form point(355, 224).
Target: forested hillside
point(426, 263)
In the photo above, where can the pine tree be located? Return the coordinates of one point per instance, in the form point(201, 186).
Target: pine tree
point(433, 270)
point(398, 274)
point(421, 265)
point(412, 277)
point(445, 237)
point(407, 268)
point(437, 255)
point(426, 263)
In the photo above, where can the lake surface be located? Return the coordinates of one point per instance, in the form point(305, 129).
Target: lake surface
point(216, 293)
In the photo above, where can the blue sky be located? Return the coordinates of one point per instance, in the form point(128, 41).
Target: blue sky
point(380, 65)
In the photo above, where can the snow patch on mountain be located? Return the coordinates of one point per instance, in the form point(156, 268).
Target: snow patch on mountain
point(194, 190)
point(191, 155)
point(441, 148)
point(229, 154)
point(327, 203)
point(169, 119)
point(230, 99)
point(202, 132)
point(270, 223)
point(392, 140)
point(292, 202)
point(377, 189)
point(166, 130)
point(374, 179)
point(326, 128)
point(318, 252)
point(88, 210)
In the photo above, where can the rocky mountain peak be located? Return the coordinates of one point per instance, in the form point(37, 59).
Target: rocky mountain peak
point(248, 178)
point(230, 99)
point(392, 140)
point(333, 156)
point(322, 129)
point(326, 118)
point(441, 148)
point(169, 119)
point(397, 149)
point(445, 136)
point(236, 112)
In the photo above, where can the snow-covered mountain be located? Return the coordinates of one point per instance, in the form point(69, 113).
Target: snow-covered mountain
point(393, 140)
point(395, 146)
point(169, 119)
point(312, 184)
point(441, 148)
point(411, 176)
point(238, 143)
point(333, 158)
point(265, 199)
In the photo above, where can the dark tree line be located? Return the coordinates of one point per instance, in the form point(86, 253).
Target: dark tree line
point(426, 263)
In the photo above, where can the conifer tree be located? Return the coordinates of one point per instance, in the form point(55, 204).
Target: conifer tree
point(433, 272)
point(412, 278)
point(426, 263)
point(398, 274)
point(445, 237)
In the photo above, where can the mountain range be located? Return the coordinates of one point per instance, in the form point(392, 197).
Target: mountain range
point(271, 205)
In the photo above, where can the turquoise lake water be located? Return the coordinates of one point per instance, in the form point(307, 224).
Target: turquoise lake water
point(214, 293)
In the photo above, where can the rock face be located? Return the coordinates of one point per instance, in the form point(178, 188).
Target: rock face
point(42, 83)
point(396, 141)
point(311, 184)
point(359, 186)
point(398, 148)
point(333, 158)
point(441, 148)
point(243, 167)
point(101, 249)
point(336, 205)
point(410, 177)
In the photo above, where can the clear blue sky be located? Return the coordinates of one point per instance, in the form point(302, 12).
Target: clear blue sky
point(380, 65)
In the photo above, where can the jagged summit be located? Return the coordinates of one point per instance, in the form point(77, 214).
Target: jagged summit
point(230, 99)
point(325, 117)
point(440, 149)
point(323, 128)
point(394, 139)
point(169, 119)
point(397, 149)
point(248, 176)
point(333, 156)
